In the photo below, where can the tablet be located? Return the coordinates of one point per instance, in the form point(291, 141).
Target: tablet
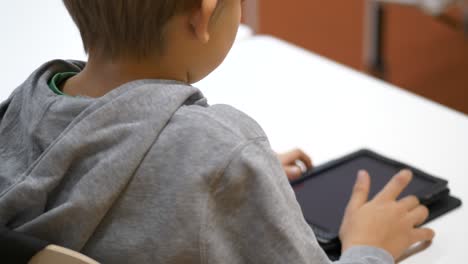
point(324, 192)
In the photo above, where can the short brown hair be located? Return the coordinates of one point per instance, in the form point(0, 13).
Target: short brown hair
point(117, 28)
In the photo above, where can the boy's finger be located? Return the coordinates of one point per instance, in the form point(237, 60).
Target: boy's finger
point(409, 202)
point(293, 172)
point(288, 157)
point(418, 215)
point(360, 191)
point(422, 234)
point(302, 156)
point(297, 154)
point(396, 185)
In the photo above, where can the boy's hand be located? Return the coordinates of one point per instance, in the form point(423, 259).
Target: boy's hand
point(291, 162)
point(384, 222)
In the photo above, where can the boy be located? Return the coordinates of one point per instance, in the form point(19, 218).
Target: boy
point(121, 159)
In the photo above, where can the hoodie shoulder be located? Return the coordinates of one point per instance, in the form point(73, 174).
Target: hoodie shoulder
point(202, 140)
point(222, 120)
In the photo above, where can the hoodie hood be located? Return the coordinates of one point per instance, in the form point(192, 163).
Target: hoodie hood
point(56, 152)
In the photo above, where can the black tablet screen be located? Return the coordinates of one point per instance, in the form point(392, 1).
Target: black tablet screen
point(324, 197)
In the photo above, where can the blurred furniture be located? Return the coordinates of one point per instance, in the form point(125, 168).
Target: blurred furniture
point(251, 13)
point(375, 23)
point(19, 248)
point(422, 54)
point(305, 100)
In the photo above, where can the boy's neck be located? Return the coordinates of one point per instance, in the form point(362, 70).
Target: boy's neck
point(100, 77)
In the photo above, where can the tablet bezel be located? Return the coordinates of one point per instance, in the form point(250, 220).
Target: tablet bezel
point(426, 196)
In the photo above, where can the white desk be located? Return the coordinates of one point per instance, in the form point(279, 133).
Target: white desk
point(34, 32)
point(302, 99)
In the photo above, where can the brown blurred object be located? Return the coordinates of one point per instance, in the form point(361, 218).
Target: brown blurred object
point(425, 55)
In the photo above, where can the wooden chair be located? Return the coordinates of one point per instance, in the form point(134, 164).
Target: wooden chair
point(19, 248)
point(53, 254)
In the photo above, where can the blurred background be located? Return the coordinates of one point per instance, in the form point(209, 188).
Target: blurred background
point(418, 45)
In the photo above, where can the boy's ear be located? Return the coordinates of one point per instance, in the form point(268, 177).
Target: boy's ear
point(200, 19)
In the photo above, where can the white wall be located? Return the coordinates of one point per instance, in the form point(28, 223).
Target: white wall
point(34, 32)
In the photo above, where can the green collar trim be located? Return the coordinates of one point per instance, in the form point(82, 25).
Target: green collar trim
point(58, 79)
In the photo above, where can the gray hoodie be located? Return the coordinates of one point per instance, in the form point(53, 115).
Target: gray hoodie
point(149, 173)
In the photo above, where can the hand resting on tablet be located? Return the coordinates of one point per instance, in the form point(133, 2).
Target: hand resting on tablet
point(384, 222)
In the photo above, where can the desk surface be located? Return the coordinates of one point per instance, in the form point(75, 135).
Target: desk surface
point(301, 99)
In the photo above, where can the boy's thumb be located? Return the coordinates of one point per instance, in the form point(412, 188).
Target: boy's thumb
point(361, 189)
point(293, 172)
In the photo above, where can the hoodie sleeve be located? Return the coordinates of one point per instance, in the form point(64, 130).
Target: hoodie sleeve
point(252, 216)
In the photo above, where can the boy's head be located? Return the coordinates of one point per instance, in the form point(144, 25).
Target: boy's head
point(195, 34)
